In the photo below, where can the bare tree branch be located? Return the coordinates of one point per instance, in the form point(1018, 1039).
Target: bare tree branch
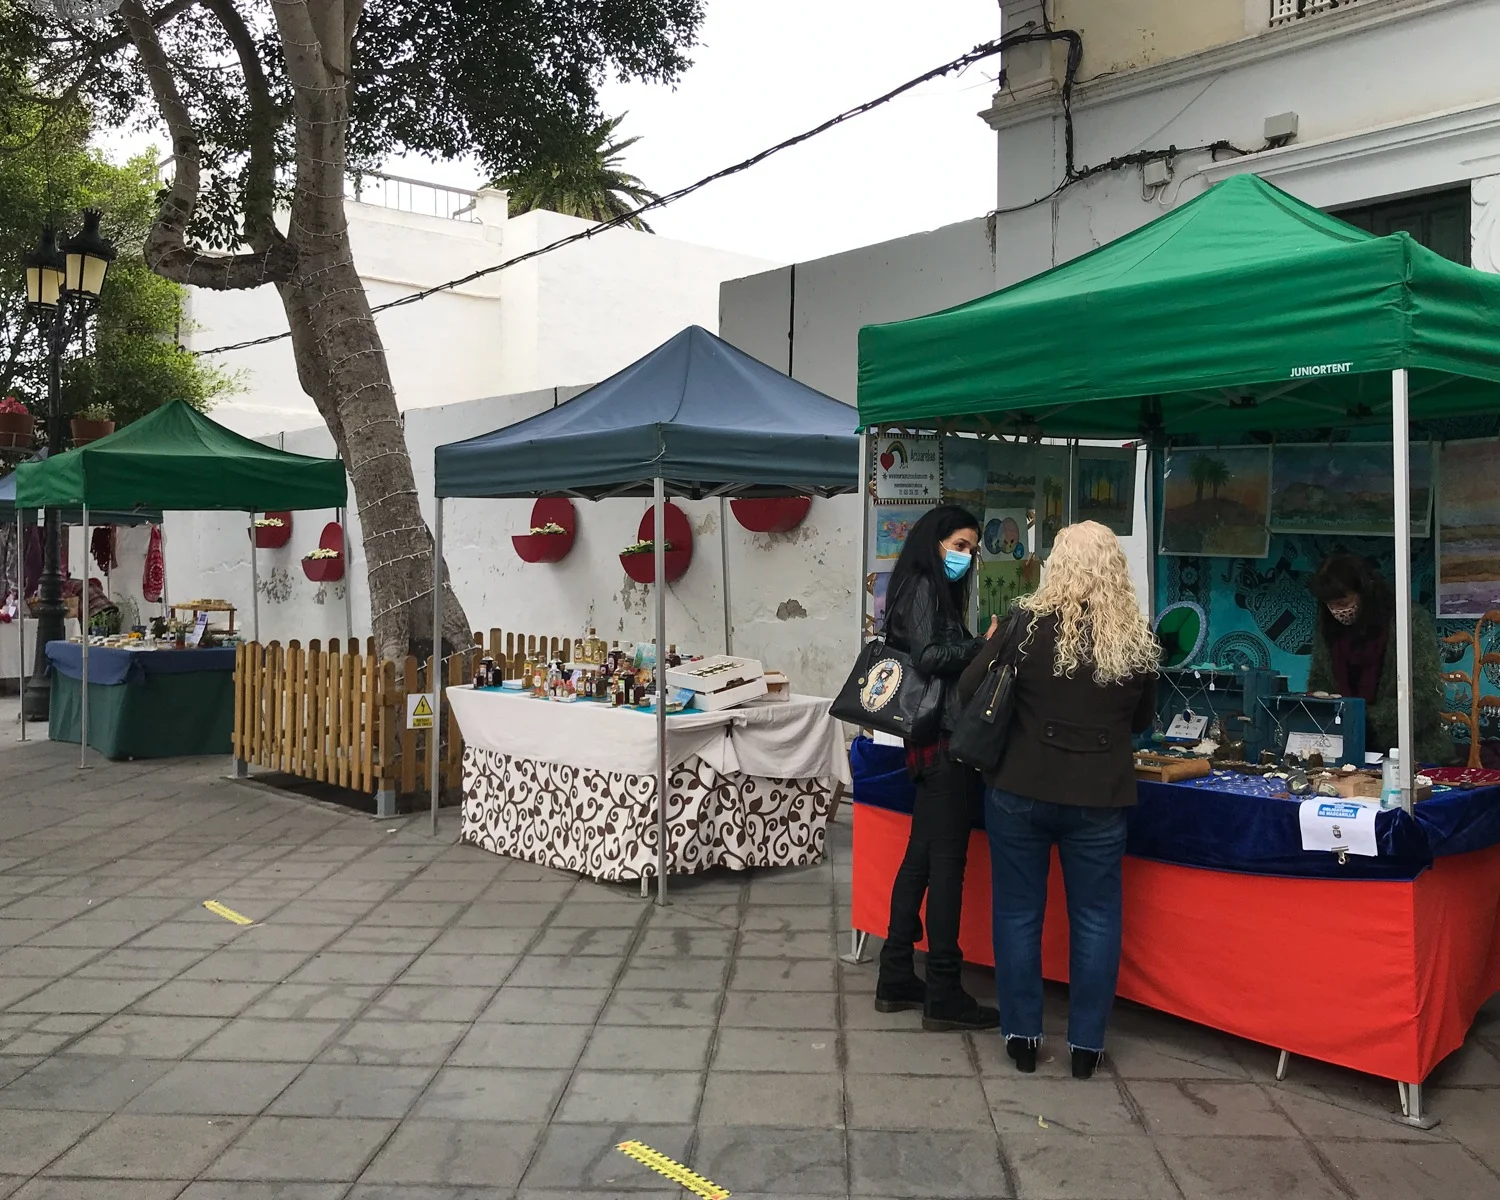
point(166, 250)
point(161, 17)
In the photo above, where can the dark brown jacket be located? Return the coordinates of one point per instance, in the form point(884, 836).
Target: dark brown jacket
point(1071, 741)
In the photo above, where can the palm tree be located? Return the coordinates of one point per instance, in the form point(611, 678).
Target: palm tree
point(586, 181)
point(1218, 475)
point(1201, 473)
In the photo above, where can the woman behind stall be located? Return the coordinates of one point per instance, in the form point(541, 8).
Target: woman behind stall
point(1354, 654)
point(926, 601)
point(1085, 683)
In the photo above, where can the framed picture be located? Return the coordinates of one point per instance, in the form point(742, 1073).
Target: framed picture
point(1105, 488)
point(1347, 489)
point(1216, 503)
point(1468, 528)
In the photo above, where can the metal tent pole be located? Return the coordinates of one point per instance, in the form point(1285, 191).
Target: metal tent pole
point(348, 580)
point(1148, 495)
point(864, 600)
point(659, 552)
point(1401, 450)
point(254, 586)
point(724, 565)
point(435, 680)
point(1072, 477)
point(83, 625)
point(21, 611)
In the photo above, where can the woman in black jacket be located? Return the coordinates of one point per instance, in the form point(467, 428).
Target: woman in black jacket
point(926, 602)
point(1085, 661)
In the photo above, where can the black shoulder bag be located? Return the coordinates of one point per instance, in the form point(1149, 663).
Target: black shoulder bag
point(982, 730)
point(885, 691)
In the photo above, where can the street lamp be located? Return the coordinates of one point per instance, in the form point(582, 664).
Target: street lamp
point(62, 290)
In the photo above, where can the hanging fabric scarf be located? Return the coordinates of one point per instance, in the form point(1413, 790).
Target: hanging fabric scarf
point(155, 577)
point(103, 548)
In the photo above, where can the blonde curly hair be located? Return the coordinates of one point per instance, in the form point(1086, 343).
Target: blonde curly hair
point(1087, 587)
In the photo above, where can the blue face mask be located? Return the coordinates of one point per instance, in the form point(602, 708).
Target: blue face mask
point(956, 563)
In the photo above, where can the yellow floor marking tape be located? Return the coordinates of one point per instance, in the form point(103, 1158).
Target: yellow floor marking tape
point(228, 914)
point(673, 1170)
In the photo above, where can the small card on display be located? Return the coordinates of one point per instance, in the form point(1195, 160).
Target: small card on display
point(1339, 826)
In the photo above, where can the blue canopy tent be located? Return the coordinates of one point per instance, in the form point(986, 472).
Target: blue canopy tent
point(695, 418)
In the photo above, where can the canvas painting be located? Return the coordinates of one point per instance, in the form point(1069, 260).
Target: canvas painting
point(1105, 488)
point(1004, 535)
point(1347, 488)
point(891, 525)
point(1217, 502)
point(882, 580)
point(1468, 570)
point(1051, 487)
point(964, 464)
point(1001, 583)
point(1010, 476)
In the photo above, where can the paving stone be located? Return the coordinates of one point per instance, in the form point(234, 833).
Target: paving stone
point(247, 966)
point(537, 970)
point(280, 937)
point(623, 1048)
point(429, 915)
point(250, 1039)
point(925, 1163)
point(313, 1001)
point(29, 1140)
point(233, 1088)
point(1410, 1170)
point(395, 1043)
point(462, 970)
point(492, 1094)
point(900, 1053)
point(81, 1084)
point(130, 963)
point(329, 967)
point(605, 1096)
point(621, 914)
point(627, 1007)
point(745, 1098)
point(678, 942)
point(817, 944)
point(427, 1002)
point(483, 941)
point(200, 998)
point(539, 893)
point(499, 1045)
point(908, 1102)
point(47, 962)
point(80, 931)
point(85, 996)
point(570, 942)
point(99, 1189)
point(777, 975)
point(235, 1190)
point(1469, 1117)
point(1175, 1056)
point(674, 974)
point(321, 912)
point(1352, 1113)
point(430, 890)
point(795, 1050)
point(780, 1010)
point(1019, 1103)
point(1192, 1108)
point(484, 915)
point(779, 918)
point(454, 1153)
point(1247, 1169)
point(12, 990)
point(302, 1148)
point(329, 1090)
point(127, 1146)
point(779, 1161)
point(545, 1006)
point(1059, 1166)
point(188, 935)
point(584, 1158)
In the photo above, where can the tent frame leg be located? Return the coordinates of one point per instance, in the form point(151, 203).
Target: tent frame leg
point(1411, 1107)
point(21, 612)
point(83, 638)
point(436, 682)
point(1401, 451)
point(254, 586)
point(858, 940)
point(659, 551)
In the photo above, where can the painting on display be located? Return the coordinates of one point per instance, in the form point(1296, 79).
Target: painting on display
point(1003, 565)
point(1216, 503)
point(1347, 488)
point(1468, 521)
point(964, 464)
point(1010, 476)
point(1105, 488)
point(890, 527)
point(1051, 487)
point(878, 592)
point(908, 470)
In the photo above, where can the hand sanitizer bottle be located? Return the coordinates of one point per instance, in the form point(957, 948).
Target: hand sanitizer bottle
point(1390, 786)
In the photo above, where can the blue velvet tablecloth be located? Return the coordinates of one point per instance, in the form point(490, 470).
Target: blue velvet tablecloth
point(109, 666)
point(1229, 822)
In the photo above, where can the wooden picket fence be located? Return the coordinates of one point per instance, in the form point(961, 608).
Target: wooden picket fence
point(337, 715)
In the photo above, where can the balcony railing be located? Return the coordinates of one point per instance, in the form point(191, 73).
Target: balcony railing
point(1284, 12)
point(411, 195)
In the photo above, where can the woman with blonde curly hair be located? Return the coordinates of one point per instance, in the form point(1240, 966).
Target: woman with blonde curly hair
point(1086, 662)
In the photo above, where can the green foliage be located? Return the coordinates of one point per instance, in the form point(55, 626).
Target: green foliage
point(584, 178)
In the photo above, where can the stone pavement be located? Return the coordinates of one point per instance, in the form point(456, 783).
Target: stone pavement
point(409, 1019)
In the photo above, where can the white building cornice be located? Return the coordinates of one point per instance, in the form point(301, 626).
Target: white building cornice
point(1043, 100)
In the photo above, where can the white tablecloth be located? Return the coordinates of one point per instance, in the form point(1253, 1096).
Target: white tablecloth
point(792, 740)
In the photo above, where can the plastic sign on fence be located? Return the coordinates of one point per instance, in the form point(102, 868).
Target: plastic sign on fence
point(1338, 825)
point(419, 711)
point(908, 470)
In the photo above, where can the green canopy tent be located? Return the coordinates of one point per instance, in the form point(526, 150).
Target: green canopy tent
point(176, 459)
point(1243, 312)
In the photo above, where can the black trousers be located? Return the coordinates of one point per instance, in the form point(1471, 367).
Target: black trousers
point(941, 819)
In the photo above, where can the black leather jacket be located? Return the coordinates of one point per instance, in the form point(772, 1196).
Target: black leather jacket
point(939, 646)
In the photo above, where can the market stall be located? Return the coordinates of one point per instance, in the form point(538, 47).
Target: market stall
point(174, 458)
point(695, 418)
point(1244, 317)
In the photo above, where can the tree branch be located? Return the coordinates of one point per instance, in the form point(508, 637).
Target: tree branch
point(260, 175)
point(166, 250)
point(159, 19)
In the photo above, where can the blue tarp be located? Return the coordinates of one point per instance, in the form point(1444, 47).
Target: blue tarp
point(70, 516)
point(109, 666)
point(705, 417)
point(1200, 825)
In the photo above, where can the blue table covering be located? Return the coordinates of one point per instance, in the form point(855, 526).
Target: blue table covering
point(1229, 822)
point(109, 666)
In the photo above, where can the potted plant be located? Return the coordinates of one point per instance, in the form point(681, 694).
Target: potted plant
point(550, 537)
point(91, 423)
point(639, 558)
point(15, 424)
point(273, 530)
point(323, 565)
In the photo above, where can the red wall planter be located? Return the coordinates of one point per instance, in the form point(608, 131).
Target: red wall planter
point(327, 570)
point(780, 514)
point(548, 547)
point(271, 538)
point(642, 567)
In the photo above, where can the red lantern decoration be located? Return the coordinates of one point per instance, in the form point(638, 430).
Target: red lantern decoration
point(548, 547)
point(274, 537)
point(679, 533)
point(327, 570)
point(778, 514)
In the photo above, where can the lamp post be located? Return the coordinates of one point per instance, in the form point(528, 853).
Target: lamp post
point(62, 290)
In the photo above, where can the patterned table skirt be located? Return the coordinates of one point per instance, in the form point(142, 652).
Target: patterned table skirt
point(603, 823)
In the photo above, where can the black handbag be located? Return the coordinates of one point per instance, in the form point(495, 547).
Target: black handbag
point(982, 730)
point(886, 692)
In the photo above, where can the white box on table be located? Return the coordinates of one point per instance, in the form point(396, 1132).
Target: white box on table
point(714, 673)
point(729, 697)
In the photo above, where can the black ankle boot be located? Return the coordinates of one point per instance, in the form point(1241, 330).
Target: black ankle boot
point(904, 996)
point(1023, 1051)
point(1085, 1062)
point(959, 1011)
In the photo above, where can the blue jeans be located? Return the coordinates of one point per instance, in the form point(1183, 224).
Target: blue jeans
point(1091, 844)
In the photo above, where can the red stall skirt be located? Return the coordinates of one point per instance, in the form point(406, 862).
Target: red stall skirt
point(1379, 977)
